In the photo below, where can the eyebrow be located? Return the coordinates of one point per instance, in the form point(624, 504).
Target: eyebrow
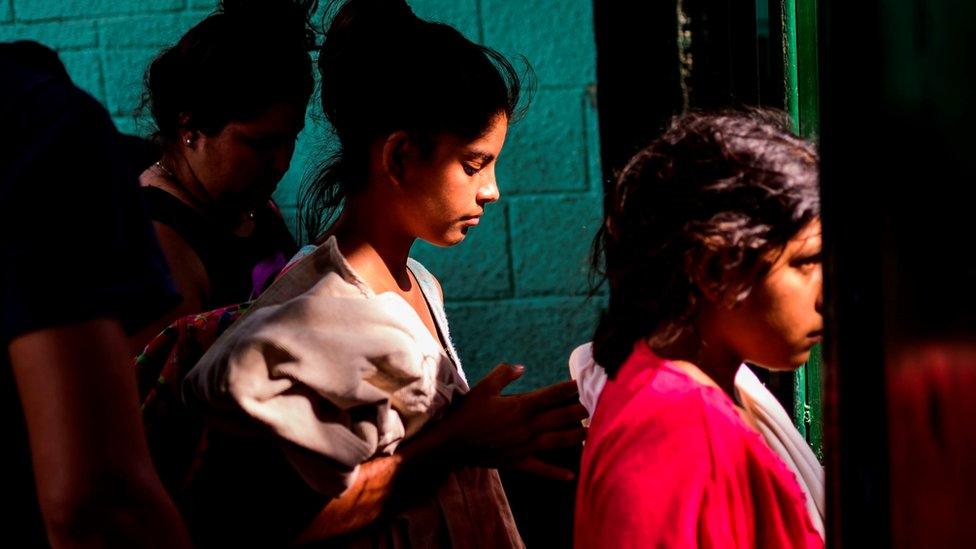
point(484, 157)
point(806, 254)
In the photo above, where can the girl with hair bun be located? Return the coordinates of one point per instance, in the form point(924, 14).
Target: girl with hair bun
point(346, 362)
point(228, 101)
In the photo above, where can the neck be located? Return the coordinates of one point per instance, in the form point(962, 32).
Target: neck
point(180, 174)
point(183, 182)
point(720, 364)
point(715, 360)
point(376, 249)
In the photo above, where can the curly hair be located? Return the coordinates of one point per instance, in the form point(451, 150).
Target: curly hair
point(704, 208)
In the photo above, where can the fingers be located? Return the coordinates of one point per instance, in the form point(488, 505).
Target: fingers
point(560, 418)
point(499, 378)
point(555, 440)
point(543, 469)
point(550, 396)
point(546, 442)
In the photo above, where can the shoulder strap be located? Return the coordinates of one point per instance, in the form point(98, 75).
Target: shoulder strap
point(429, 288)
point(172, 212)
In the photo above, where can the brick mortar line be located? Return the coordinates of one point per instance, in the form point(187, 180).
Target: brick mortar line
point(154, 47)
point(517, 196)
point(87, 17)
point(510, 251)
point(102, 83)
point(479, 10)
point(527, 300)
point(584, 99)
point(76, 49)
point(563, 87)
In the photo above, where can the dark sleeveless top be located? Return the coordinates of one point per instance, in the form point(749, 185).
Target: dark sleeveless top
point(238, 267)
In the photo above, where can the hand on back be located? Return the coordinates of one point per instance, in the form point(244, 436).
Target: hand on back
point(495, 430)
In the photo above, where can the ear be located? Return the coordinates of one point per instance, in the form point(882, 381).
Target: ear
point(188, 137)
point(708, 269)
point(395, 151)
point(705, 267)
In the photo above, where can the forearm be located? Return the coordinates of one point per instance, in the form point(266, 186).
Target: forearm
point(191, 304)
point(482, 428)
point(136, 512)
point(359, 505)
point(94, 476)
point(418, 465)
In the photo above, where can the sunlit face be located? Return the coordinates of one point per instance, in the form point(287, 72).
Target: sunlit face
point(781, 319)
point(443, 193)
point(241, 165)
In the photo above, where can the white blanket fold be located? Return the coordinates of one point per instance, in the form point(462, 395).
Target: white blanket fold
point(335, 372)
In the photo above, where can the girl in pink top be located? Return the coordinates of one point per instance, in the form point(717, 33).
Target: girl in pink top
point(711, 248)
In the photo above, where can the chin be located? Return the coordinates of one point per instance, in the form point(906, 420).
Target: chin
point(783, 364)
point(446, 240)
point(799, 360)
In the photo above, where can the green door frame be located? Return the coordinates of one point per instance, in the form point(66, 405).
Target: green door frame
point(802, 87)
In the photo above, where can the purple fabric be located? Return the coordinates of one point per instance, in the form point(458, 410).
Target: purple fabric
point(264, 272)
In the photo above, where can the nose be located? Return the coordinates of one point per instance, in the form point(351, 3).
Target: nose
point(488, 191)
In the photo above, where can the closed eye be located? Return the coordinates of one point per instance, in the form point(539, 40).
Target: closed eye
point(474, 161)
point(807, 261)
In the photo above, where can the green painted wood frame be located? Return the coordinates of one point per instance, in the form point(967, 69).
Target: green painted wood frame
point(802, 87)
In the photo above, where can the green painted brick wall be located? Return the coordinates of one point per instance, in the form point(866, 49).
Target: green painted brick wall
point(516, 288)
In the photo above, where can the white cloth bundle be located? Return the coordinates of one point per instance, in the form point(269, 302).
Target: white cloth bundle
point(332, 370)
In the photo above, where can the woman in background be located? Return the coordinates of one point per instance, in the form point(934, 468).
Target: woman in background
point(228, 101)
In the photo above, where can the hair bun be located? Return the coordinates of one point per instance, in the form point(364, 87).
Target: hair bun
point(234, 64)
point(287, 14)
point(370, 17)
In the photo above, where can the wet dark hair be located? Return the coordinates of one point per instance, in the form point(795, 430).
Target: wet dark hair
point(383, 69)
point(233, 65)
point(707, 204)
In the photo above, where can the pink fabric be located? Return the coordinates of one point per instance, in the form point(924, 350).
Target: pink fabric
point(668, 462)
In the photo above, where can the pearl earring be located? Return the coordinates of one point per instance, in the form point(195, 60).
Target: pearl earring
point(188, 140)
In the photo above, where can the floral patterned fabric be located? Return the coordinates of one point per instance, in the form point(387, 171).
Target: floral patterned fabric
point(175, 435)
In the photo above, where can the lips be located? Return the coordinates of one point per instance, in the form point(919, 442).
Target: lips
point(471, 220)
